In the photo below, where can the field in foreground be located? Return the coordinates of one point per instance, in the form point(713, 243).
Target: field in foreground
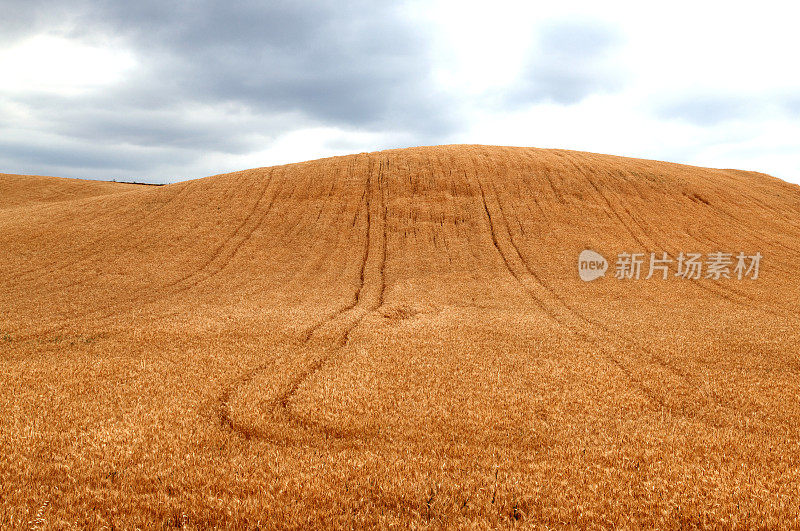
point(399, 338)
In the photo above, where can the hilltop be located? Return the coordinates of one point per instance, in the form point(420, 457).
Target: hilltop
point(401, 337)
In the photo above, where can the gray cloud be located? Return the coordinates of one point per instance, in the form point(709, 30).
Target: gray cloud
point(85, 159)
point(792, 104)
point(707, 110)
point(22, 18)
point(228, 128)
point(354, 65)
point(342, 63)
point(569, 63)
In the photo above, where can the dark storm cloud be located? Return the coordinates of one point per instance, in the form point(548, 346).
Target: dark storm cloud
point(340, 62)
point(285, 64)
point(568, 64)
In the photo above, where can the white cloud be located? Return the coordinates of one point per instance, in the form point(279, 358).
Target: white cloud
point(679, 65)
point(58, 65)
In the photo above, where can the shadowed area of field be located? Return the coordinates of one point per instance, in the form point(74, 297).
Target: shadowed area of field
point(399, 338)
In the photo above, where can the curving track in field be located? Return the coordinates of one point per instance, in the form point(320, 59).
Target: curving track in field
point(339, 240)
point(497, 210)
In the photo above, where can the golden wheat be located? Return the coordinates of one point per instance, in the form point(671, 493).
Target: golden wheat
point(400, 339)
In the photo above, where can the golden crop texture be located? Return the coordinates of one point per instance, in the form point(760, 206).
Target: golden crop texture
point(398, 339)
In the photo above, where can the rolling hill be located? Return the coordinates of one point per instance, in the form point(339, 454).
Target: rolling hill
point(401, 338)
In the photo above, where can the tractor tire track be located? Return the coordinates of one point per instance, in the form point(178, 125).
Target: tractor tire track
point(718, 289)
point(366, 301)
point(593, 337)
point(190, 280)
point(94, 247)
point(579, 315)
point(724, 291)
point(658, 402)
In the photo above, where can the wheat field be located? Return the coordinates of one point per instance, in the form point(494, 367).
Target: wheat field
point(399, 339)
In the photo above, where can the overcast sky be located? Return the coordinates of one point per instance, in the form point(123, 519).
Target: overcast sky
point(159, 91)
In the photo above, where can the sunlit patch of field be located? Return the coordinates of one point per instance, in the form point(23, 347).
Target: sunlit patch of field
point(400, 339)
